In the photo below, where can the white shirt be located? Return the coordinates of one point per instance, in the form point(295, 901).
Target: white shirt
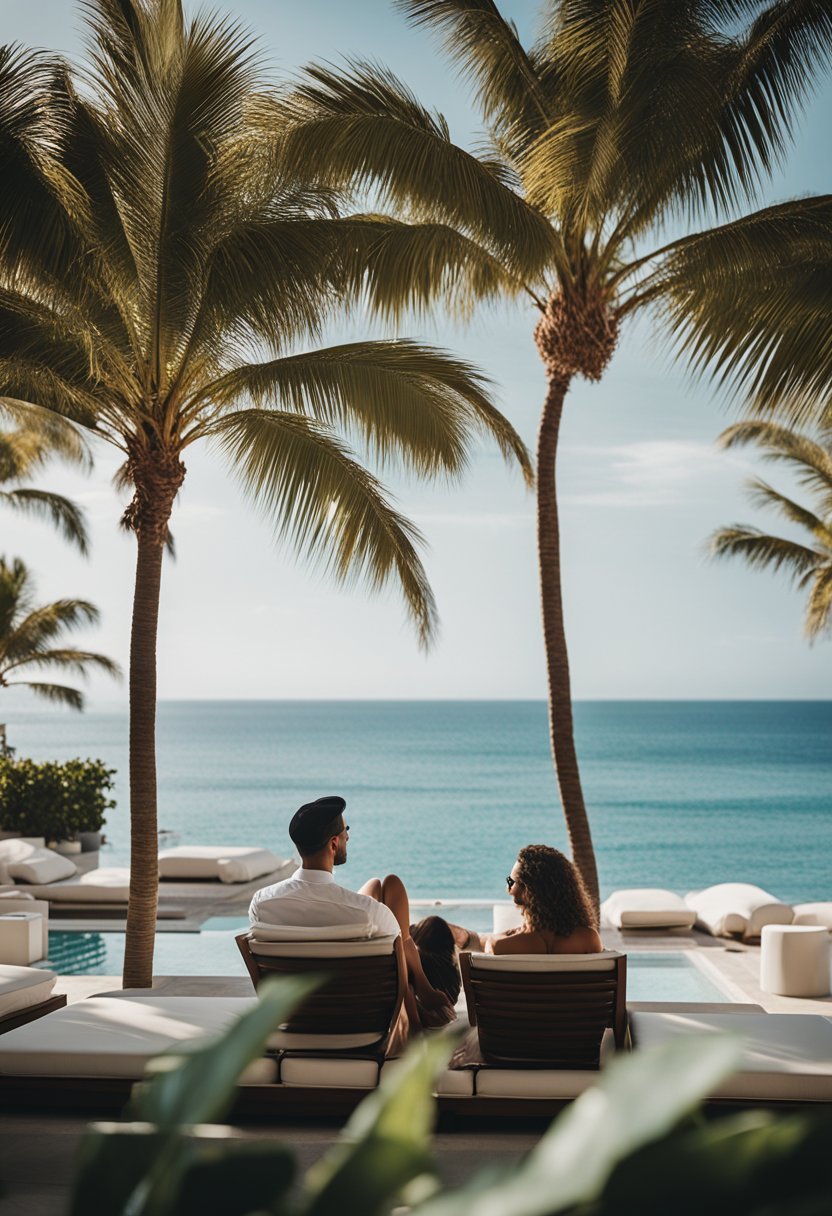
point(313, 898)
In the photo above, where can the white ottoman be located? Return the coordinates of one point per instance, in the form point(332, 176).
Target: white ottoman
point(21, 938)
point(794, 960)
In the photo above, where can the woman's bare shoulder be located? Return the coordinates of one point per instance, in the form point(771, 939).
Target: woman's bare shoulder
point(519, 942)
point(585, 941)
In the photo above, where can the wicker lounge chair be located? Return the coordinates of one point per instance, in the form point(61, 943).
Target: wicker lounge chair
point(545, 1010)
point(351, 1017)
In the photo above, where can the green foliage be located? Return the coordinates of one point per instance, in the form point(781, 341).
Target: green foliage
point(54, 799)
point(808, 565)
point(628, 1145)
point(28, 635)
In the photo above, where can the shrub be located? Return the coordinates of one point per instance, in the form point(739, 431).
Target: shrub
point(54, 799)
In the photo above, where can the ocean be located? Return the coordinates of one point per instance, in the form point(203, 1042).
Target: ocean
point(679, 794)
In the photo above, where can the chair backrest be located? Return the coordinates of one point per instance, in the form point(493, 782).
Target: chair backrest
point(546, 1009)
point(361, 995)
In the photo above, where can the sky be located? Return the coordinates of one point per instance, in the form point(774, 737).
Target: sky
point(642, 486)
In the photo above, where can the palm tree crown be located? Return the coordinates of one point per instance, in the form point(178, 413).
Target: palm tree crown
point(621, 120)
point(809, 565)
point(182, 295)
point(30, 637)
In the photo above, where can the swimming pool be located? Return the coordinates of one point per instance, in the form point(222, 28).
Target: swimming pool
point(650, 976)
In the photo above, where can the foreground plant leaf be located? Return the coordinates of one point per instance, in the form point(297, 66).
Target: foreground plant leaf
point(386, 1143)
point(635, 1102)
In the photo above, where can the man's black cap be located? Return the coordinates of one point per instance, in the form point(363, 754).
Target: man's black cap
point(316, 822)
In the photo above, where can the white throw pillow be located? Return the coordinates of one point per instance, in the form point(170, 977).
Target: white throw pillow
point(29, 864)
point(647, 907)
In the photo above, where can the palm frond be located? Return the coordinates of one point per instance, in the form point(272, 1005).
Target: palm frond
point(68, 658)
point(810, 460)
point(55, 432)
point(762, 494)
point(326, 505)
point(751, 302)
point(404, 399)
point(57, 694)
point(487, 49)
point(31, 636)
point(761, 551)
point(64, 514)
point(362, 128)
point(818, 618)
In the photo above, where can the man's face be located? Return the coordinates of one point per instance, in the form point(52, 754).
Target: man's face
point(341, 847)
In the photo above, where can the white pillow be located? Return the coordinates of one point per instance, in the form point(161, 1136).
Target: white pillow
point(813, 914)
point(737, 908)
point(26, 863)
point(314, 933)
point(647, 907)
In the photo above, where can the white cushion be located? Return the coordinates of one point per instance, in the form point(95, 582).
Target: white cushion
point(310, 933)
point(365, 948)
point(645, 908)
point(454, 1082)
point(326, 1073)
point(534, 1082)
point(786, 1056)
point(813, 914)
point(229, 863)
point(602, 961)
point(114, 1037)
point(23, 987)
point(107, 886)
point(24, 862)
point(732, 909)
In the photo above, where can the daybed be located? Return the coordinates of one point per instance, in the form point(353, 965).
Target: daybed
point(224, 862)
point(737, 909)
point(26, 993)
point(647, 908)
point(787, 1057)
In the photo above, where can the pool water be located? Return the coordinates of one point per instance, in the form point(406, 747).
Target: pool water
point(650, 976)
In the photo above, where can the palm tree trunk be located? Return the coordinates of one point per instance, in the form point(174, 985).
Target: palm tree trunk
point(144, 847)
point(561, 728)
point(157, 476)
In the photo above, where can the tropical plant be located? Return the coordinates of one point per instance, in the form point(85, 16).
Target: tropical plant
point(621, 120)
point(809, 565)
point(54, 799)
point(181, 247)
point(626, 1145)
point(30, 637)
point(24, 452)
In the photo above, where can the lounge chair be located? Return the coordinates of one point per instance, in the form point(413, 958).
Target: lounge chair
point(647, 908)
point(737, 909)
point(343, 1031)
point(26, 993)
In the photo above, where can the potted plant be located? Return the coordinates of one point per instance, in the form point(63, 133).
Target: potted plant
point(61, 801)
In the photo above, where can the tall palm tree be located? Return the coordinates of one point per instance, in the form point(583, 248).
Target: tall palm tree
point(620, 122)
point(22, 453)
point(30, 637)
point(183, 297)
point(809, 565)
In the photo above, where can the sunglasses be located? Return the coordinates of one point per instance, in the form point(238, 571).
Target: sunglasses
point(511, 881)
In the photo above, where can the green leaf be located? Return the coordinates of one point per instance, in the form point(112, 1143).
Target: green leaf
point(112, 1161)
point(199, 1086)
point(386, 1143)
point(635, 1101)
point(235, 1178)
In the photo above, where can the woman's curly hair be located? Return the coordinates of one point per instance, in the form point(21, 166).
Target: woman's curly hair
point(556, 898)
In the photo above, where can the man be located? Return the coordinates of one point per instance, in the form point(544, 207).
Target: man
point(311, 897)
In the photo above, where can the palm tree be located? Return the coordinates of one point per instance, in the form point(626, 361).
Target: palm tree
point(621, 121)
point(22, 453)
point(29, 637)
point(809, 565)
point(183, 297)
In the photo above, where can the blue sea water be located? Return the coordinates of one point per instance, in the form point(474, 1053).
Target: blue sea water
point(680, 794)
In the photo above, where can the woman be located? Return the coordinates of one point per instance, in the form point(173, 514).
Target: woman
point(558, 917)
